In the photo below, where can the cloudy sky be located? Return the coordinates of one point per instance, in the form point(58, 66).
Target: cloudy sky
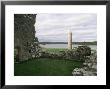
point(54, 27)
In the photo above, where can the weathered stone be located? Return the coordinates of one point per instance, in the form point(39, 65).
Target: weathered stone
point(90, 67)
point(94, 66)
point(25, 41)
point(77, 72)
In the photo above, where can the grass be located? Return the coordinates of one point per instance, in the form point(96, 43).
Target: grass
point(54, 49)
point(46, 67)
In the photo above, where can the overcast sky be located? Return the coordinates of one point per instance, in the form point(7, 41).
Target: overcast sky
point(54, 27)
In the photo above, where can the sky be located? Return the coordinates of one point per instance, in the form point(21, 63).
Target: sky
point(54, 27)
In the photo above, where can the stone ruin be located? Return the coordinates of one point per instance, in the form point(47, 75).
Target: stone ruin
point(25, 43)
point(89, 66)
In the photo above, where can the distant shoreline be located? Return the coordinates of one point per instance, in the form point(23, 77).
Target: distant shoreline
point(78, 43)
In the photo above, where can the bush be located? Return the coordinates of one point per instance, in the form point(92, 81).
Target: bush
point(83, 51)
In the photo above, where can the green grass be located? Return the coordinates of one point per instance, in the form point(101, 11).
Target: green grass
point(46, 67)
point(54, 49)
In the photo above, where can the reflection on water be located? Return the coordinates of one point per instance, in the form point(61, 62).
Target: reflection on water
point(93, 47)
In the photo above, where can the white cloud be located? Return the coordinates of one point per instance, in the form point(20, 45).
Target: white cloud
point(54, 27)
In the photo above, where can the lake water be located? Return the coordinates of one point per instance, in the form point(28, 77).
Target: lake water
point(93, 47)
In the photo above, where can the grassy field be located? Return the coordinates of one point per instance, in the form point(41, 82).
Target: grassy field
point(54, 49)
point(46, 66)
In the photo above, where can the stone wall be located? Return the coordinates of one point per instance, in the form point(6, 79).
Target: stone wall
point(89, 66)
point(24, 36)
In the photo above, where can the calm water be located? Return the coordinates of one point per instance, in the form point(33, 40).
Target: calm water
point(94, 47)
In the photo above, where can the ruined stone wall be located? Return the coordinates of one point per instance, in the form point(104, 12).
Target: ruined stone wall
point(24, 36)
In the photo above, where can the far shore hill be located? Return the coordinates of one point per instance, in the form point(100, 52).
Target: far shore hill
point(77, 43)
